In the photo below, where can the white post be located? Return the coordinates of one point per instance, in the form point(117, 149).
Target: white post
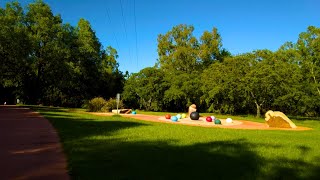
point(118, 100)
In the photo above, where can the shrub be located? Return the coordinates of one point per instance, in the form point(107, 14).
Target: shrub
point(97, 104)
point(112, 104)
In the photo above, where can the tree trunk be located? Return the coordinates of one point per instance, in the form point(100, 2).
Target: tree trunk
point(315, 80)
point(258, 110)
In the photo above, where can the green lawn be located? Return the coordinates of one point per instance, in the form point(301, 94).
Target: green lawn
point(122, 148)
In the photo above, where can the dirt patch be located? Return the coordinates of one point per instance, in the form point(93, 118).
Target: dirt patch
point(236, 124)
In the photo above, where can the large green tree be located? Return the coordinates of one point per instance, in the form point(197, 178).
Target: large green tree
point(14, 48)
point(178, 50)
point(309, 49)
point(48, 52)
point(224, 84)
point(48, 62)
point(145, 89)
point(179, 59)
point(211, 49)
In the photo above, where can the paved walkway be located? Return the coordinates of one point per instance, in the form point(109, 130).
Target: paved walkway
point(29, 146)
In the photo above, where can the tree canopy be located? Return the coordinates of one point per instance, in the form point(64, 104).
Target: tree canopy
point(44, 61)
point(201, 71)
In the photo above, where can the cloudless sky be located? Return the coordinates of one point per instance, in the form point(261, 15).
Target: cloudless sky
point(245, 25)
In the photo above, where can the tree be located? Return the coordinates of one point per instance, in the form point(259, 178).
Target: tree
point(211, 48)
point(112, 79)
point(183, 89)
point(89, 58)
point(179, 60)
point(145, 89)
point(224, 84)
point(178, 50)
point(48, 62)
point(14, 48)
point(47, 56)
point(293, 98)
point(309, 49)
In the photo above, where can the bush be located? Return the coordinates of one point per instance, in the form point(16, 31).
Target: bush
point(97, 104)
point(112, 104)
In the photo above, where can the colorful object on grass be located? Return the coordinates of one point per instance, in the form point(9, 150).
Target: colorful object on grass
point(194, 116)
point(178, 116)
point(209, 119)
point(228, 120)
point(213, 118)
point(168, 116)
point(134, 112)
point(279, 120)
point(174, 118)
point(217, 121)
point(183, 116)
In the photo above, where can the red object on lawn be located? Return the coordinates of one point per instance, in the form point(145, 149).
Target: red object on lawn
point(168, 116)
point(209, 119)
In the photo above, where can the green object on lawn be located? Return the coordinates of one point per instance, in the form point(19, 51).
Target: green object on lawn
point(217, 121)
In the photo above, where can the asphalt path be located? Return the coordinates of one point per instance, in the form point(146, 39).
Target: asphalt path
point(29, 146)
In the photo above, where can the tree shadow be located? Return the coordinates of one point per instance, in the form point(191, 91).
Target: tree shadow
point(284, 168)
point(47, 109)
point(77, 129)
point(300, 118)
point(118, 159)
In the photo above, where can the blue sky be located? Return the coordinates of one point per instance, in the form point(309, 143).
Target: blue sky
point(244, 25)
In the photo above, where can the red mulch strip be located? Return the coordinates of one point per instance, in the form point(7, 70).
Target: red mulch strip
point(243, 125)
point(29, 146)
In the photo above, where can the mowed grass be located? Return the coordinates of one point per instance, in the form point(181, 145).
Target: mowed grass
point(122, 148)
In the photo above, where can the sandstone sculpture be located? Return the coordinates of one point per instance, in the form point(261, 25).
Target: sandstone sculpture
point(279, 120)
point(192, 108)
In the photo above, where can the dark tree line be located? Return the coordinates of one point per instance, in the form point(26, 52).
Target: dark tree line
point(201, 71)
point(45, 61)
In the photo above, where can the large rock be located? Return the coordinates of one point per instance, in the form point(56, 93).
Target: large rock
point(279, 120)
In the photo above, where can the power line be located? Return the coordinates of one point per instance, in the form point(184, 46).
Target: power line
point(114, 35)
point(125, 27)
point(135, 29)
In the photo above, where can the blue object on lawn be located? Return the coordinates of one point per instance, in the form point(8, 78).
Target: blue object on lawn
point(174, 118)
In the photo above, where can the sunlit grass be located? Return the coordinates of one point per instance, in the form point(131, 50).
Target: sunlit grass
point(100, 147)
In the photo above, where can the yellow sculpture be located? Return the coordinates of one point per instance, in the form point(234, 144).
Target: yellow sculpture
point(279, 120)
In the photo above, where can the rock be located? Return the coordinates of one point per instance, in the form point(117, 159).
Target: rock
point(192, 108)
point(279, 120)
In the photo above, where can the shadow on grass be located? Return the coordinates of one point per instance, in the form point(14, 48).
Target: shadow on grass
point(70, 128)
point(47, 109)
point(284, 168)
point(112, 157)
point(300, 118)
point(118, 159)
point(162, 160)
